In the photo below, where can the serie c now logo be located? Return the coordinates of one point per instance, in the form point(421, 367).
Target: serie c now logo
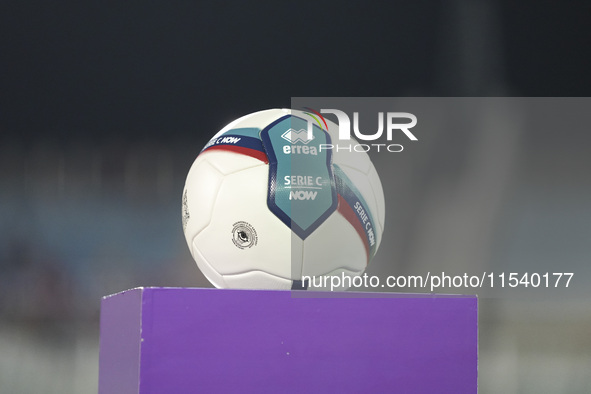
point(302, 195)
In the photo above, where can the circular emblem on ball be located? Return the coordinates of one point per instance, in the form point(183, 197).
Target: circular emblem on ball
point(244, 235)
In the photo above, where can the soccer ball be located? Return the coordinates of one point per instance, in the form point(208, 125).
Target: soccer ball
point(276, 201)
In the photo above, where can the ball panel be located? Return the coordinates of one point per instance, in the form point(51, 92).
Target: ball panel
point(357, 160)
point(334, 245)
point(201, 189)
point(257, 119)
point(242, 198)
point(257, 280)
point(215, 278)
point(230, 162)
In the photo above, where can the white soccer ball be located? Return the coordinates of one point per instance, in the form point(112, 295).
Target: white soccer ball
point(267, 207)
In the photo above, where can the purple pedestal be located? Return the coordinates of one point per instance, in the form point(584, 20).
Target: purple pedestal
point(171, 340)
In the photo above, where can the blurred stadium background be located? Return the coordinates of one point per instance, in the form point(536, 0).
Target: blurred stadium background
point(104, 106)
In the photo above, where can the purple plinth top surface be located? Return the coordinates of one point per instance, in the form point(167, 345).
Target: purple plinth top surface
point(187, 340)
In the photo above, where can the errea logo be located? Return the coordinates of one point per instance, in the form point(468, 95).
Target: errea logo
point(294, 136)
point(298, 143)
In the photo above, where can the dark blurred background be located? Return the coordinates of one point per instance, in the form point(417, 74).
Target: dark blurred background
point(104, 106)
